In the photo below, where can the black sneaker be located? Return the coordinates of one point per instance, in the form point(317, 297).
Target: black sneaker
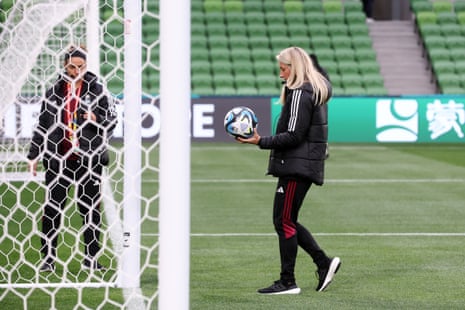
point(47, 266)
point(92, 264)
point(279, 288)
point(325, 276)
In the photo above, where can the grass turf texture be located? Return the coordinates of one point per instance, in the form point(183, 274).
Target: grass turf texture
point(393, 212)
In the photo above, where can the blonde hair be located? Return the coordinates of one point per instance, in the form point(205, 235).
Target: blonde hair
point(303, 71)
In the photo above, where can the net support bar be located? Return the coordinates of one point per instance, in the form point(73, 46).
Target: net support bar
point(129, 277)
point(174, 155)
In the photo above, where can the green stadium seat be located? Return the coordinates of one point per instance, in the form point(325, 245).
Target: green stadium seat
point(355, 18)
point(221, 79)
point(199, 54)
point(461, 18)
point(246, 91)
point(204, 91)
point(199, 41)
point(214, 18)
point(338, 29)
point(446, 79)
point(225, 90)
point(238, 42)
point(277, 30)
point(442, 6)
point(368, 67)
point(455, 41)
point(201, 66)
point(213, 6)
point(216, 29)
point(362, 54)
point(434, 41)
point(244, 67)
point(273, 6)
point(239, 54)
point(324, 55)
point(252, 6)
point(459, 6)
point(264, 67)
point(301, 41)
point(198, 29)
point(233, 6)
point(312, 6)
point(259, 42)
point(234, 18)
point(372, 80)
point(255, 17)
point(457, 54)
point(362, 42)
point(333, 18)
point(318, 30)
point(256, 30)
point(439, 54)
point(201, 79)
point(293, 6)
point(443, 66)
point(275, 18)
point(446, 18)
point(356, 29)
point(341, 42)
point(347, 67)
point(219, 53)
point(217, 41)
point(259, 54)
point(430, 29)
point(332, 6)
point(237, 30)
point(295, 18)
point(453, 90)
point(297, 30)
point(421, 6)
point(426, 17)
point(344, 54)
point(375, 91)
point(197, 17)
point(320, 42)
point(280, 42)
point(314, 18)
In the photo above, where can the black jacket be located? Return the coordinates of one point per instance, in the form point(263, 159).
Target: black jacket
point(49, 133)
point(299, 147)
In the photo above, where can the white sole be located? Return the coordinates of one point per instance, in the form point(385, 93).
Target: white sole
point(293, 291)
point(333, 267)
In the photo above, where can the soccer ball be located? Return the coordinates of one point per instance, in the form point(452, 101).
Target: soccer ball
point(240, 122)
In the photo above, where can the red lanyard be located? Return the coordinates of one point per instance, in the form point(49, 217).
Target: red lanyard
point(71, 109)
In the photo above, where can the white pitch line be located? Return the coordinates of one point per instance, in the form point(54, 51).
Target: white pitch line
point(349, 234)
point(273, 180)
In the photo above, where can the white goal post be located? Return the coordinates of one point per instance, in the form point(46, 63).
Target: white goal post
point(146, 187)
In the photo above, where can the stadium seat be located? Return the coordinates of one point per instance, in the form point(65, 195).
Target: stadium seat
point(442, 6)
point(278, 29)
point(279, 42)
point(293, 6)
point(426, 17)
point(341, 41)
point(252, 6)
point(233, 5)
point(274, 18)
point(421, 5)
point(213, 6)
point(446, 18)
point(256, 30)
point(332, 6)
point(320, 42)
point(439, 54)
point(358, 29)
point(273, 6)
point(367, 54)
point(234, 18)
point(201, 66)
point(361, 42)
point(347, 67)
point(459, 6)
point(312, 6)
point(355, 17)
point(217, 41)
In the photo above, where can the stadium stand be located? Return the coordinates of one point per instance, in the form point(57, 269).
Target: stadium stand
point(254, 31)
point(441, 24)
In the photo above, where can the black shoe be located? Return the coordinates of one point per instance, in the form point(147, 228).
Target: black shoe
point(325, 276)
point(278, 288)
point(92, 264)
point(47, 266)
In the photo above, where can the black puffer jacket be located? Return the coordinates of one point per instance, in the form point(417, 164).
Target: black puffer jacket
point(299, 147)
point(49, 133)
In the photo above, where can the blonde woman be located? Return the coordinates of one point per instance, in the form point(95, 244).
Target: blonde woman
point(298, 151)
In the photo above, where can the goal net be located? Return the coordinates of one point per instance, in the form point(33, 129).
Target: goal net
point(34, 36)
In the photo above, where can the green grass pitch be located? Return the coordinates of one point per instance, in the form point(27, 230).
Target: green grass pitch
point(393, 213)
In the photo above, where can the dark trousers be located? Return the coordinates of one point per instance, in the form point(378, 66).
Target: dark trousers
point(289, 196)
point(87, 181)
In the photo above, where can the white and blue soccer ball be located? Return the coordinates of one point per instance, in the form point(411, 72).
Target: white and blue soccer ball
point(240, 122)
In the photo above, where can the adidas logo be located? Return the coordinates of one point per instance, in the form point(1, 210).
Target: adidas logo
point(280, 190)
